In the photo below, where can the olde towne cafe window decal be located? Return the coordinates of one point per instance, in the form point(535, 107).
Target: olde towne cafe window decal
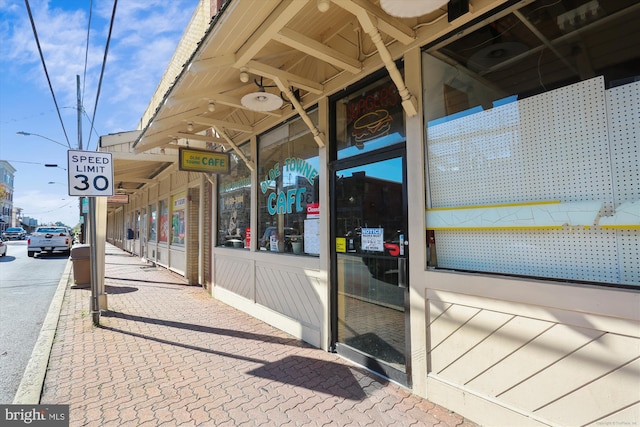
point(289, 184)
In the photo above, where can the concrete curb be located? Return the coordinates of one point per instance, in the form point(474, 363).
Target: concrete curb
point(30, 387)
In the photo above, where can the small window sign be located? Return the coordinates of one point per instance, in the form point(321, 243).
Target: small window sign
point(373, 239)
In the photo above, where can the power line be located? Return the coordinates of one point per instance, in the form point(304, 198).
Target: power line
point(35, 34)
point(86, 52)
point(104, 63)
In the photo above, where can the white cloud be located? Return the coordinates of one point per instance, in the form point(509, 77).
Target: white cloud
point(145, 34)
point(144, 38)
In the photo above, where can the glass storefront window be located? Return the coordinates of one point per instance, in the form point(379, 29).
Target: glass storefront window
point(369, 119)
point(531, 160)
point(163, 222)
point(152, 222)
point(288, 168)
point(178, 214)
point(234, 203)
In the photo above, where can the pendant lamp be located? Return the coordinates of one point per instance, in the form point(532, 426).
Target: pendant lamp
point(410, 8)
point(261, 100)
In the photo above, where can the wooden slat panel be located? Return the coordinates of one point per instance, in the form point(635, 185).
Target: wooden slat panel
point(626, 417)
point(290, 292)
point(234, 274)
point(574, 371)
point(506, 340)
point(606, 395)
point(464, 339)
point(444, 323)
point(532, 358)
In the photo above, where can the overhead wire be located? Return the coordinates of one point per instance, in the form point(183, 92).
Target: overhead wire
point(104, 63)
point(86, 53)
point(46, 72)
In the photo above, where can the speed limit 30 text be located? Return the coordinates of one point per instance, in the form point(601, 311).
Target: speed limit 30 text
point(95, 164)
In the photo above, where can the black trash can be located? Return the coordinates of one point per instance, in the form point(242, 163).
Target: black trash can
point(80, 257)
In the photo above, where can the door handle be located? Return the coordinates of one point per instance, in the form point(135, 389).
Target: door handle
point(402, 272)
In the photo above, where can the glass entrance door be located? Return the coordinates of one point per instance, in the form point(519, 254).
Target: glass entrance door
point(370, 263)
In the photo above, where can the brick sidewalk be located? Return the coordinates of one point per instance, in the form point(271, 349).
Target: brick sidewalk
point(167, 354)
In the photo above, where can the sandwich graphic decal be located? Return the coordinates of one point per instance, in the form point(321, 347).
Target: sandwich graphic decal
point(374, 114)
point(371, 125)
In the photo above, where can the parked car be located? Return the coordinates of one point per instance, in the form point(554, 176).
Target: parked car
point(17, 233)
point(3, 247)
point(49, 239)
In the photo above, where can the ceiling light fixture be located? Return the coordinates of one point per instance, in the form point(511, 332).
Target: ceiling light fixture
point(212, 106)
point(244, 76)
point(410, 8)
point(190, 127)
point(261, 100)
point(323, 5)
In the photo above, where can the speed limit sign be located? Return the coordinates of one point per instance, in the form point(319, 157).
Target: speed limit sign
point(90, 173)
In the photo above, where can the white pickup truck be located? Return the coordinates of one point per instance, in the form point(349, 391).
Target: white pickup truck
point(50, 239)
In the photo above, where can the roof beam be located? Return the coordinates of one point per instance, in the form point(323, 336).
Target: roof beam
point(141, 157)
point(175, 117)
point(126, 178)
point(276, 73)
point(220, 123)
point(283, 85)
point(205, 138)
point(281, 15)
point(235, 147)
point(409, 102)
point(314, 48)
point(387, 24)
point(212, 63)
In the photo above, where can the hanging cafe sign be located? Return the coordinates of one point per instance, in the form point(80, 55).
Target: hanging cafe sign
point(203, 161)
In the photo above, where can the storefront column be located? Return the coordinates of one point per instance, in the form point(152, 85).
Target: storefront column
point(417, 226)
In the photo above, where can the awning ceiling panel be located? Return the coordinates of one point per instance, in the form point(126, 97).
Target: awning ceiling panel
point(290, 41)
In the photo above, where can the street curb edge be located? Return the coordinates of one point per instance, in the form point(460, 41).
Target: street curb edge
point(30, 387)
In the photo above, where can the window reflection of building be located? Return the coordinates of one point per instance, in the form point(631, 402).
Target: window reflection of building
point(288, 174)
point(234, 202)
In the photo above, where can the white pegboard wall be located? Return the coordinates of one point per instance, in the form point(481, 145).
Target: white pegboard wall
point(576, 143)
point(580, 254)
point(623, 104)
point(546, 147)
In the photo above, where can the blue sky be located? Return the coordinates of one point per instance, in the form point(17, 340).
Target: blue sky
point(144, 36)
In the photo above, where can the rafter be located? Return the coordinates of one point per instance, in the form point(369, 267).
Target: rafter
point(273, 73)
point(281, 15)
point(220, 123)
point(314, 48)
point(387, 24)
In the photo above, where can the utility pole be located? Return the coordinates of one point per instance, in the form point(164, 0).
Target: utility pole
point(91, 226)
point(83, 227)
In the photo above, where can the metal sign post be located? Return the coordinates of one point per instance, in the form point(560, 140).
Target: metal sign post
point(91, 175)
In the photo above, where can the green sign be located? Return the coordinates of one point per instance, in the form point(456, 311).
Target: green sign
point(203, 161)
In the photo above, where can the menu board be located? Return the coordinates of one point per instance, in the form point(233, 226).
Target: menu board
point(312, 236)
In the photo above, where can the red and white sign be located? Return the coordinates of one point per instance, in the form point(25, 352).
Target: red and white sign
point(247, 239)
point(313, 210)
